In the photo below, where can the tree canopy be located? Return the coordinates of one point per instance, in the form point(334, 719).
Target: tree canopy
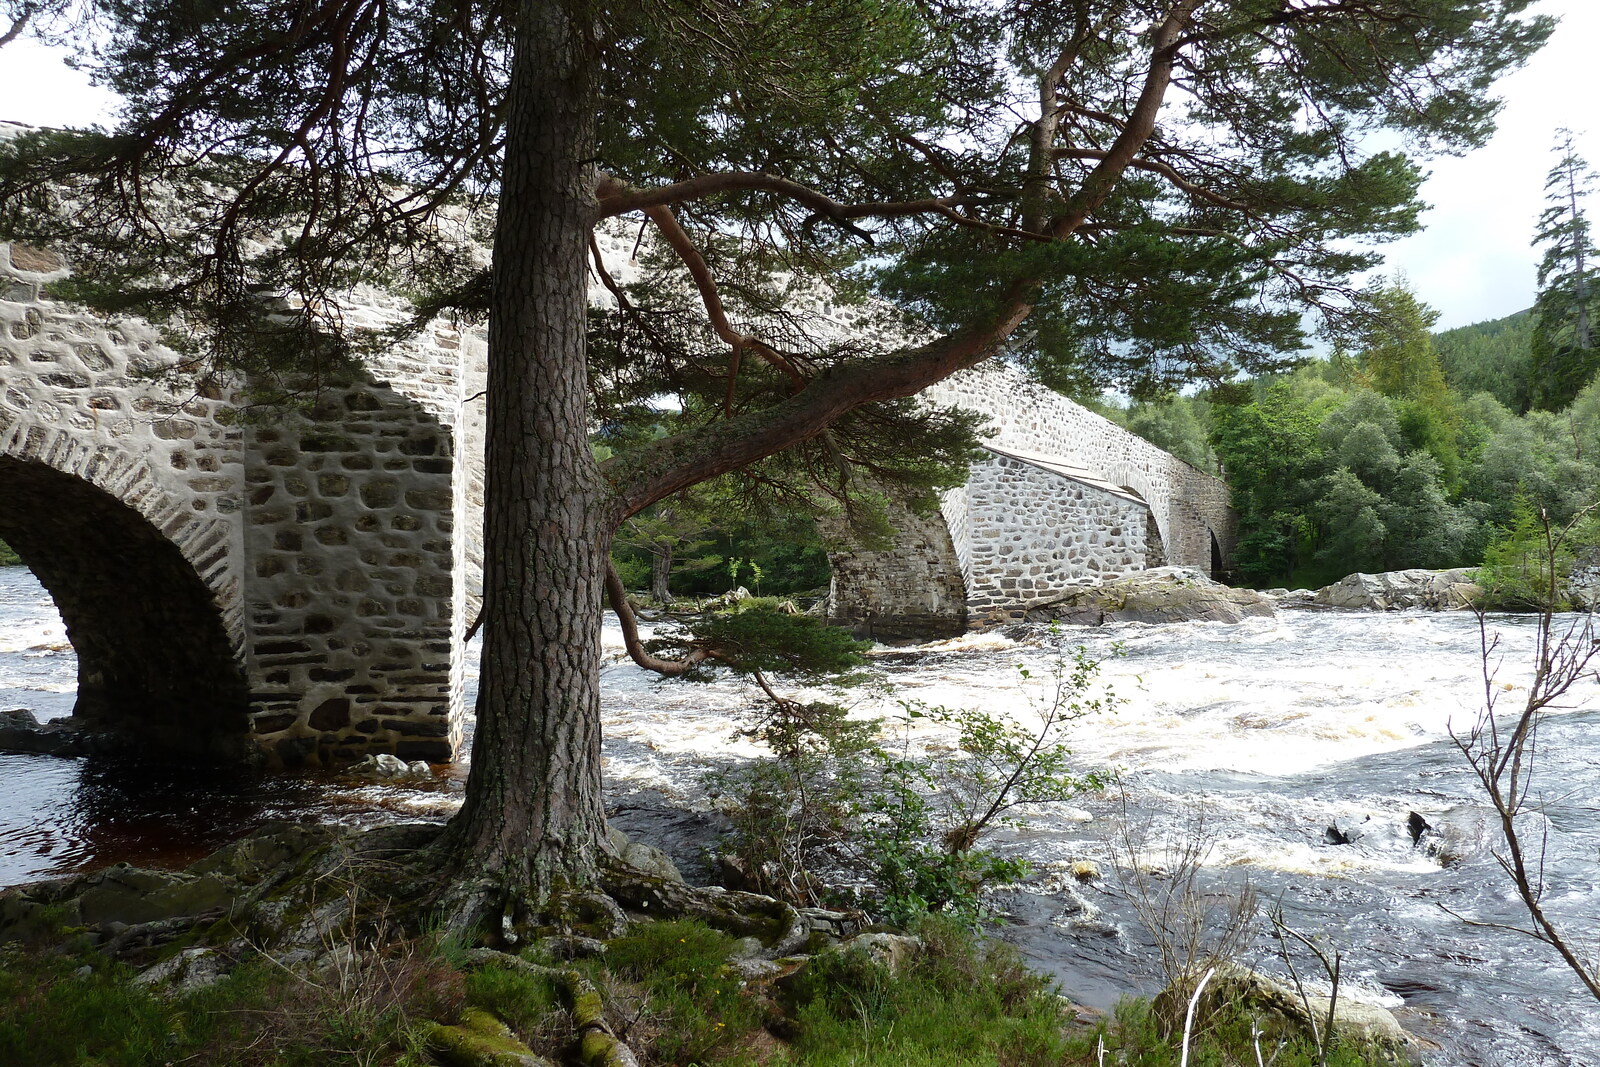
point(1158, 188)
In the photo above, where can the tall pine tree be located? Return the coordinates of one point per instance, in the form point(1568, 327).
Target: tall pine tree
point(1564, 356)
point(1160, 188)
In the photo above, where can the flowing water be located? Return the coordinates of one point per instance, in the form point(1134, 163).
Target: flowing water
point(1263, 735)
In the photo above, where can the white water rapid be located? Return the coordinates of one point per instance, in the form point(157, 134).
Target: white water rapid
point(1268, 732)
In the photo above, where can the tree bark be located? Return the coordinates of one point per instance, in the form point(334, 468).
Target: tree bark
point(661, 571)
point(532, 821)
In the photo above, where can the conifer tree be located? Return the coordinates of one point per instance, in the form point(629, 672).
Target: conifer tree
point(1564, 358)
point(1160, 188)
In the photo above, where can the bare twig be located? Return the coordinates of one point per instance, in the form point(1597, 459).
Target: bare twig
point(1504, 754)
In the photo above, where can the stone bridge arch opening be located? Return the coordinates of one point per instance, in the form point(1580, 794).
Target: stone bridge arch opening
point(1155, 546)
point(155, 660)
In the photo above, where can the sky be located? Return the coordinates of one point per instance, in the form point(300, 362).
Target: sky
point(1472, 262)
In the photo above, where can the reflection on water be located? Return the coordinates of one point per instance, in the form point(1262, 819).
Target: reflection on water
point(1273, 729)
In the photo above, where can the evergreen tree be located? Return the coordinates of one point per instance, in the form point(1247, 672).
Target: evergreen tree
point(1489, 357)
point(1564, 358)
point(1185, 181)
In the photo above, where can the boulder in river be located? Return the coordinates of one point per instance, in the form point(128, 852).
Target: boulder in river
point(1445, 590)
point(20, 731)
point(1583, 583)
point(1161, 594)
point(386, 768)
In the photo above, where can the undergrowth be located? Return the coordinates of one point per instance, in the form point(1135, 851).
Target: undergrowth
point(672, 991)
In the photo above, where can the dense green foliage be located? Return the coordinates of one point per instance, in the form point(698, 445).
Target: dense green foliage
point(1376, 459)
point(8, 558)
point(1489, 357)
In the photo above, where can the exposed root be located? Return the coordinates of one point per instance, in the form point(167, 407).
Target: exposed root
point(596, 1044)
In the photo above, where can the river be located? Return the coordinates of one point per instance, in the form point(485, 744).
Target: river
point(1267, 732)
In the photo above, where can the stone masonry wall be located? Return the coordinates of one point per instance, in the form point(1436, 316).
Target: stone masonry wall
point(348, 541)
point(1184, 501)
point(912, 588)
point(323, 539)
point(1029, 527)
point(1020, 533)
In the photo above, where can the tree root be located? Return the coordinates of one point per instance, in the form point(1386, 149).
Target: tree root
point(777, 925)
point(597, 1044)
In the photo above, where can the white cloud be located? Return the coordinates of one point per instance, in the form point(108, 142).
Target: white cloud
point(1474, 261)
point(37, 88)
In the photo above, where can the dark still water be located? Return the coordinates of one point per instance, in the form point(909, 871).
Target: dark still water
point(1266, 733)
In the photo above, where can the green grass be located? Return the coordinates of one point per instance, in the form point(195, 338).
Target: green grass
point(259, 1016)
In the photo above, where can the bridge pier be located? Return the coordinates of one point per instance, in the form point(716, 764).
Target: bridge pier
point(238, 582)
point(1062, 497)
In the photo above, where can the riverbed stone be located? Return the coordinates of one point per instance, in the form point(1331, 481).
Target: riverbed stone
point(642, 857)
point(1436, 590)
point(1160, 595)
point(185, 971)
point(1370, 1027)
point(138, 895)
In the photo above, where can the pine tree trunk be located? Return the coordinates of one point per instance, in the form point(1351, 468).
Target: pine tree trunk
point(661, 572)
point(533, 818)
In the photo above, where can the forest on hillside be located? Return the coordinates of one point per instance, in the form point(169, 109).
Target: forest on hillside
point(1417, 449)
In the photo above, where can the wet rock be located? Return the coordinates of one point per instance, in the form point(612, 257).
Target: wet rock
point(1583, 584)
point(687, 837)
point(387, 768)
point(1086, 871)
point(1445, 590)
point(1417, 826)
point(1159, 595)
point(642, 857)
point(20, 731)
point(1369, 1027)
point(135, 895)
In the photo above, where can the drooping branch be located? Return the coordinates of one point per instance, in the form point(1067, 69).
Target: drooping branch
point(618, 596)
point(664, 467)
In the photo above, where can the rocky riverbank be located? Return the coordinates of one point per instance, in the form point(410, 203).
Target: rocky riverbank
point(292, 945)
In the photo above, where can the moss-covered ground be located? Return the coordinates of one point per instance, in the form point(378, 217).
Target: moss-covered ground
point(672, 992)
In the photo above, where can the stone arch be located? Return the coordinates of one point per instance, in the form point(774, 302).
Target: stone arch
point(1155, 547)
point(1152, 490)
point(125, 564)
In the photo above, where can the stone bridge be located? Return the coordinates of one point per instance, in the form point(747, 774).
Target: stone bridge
point(1062, 497)
point(298, 583)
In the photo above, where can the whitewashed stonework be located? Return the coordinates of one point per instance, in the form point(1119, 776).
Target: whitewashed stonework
point(1063, 497)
